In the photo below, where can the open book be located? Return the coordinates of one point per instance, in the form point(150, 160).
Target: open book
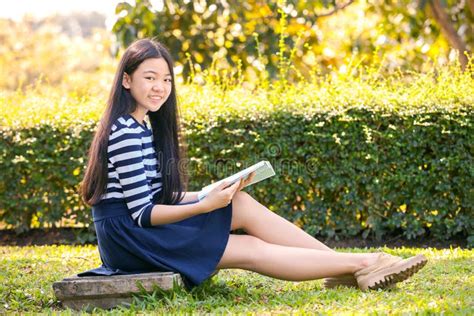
point(263, 170)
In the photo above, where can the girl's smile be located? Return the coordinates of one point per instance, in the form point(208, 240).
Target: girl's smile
point(150, 85)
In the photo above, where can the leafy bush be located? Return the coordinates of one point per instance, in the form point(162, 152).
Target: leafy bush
point(360, 170)
point(355, 153)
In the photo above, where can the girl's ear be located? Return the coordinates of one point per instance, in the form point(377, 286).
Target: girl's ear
point(126, 81)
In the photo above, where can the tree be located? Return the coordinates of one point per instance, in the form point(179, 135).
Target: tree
point(221, 33)
point(444, 21)
point(427, 21)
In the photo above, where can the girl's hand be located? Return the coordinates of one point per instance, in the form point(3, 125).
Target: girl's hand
point(247, 180)
point(222, 195)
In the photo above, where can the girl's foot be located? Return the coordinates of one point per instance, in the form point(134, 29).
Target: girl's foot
point(388, 270)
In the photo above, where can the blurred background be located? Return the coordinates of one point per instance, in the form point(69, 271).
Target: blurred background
point(75, 44)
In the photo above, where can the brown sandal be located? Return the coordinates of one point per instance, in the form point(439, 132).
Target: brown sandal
point(347, 280)
point(388, 270)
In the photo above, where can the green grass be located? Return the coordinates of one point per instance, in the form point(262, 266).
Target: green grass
point(445, 285)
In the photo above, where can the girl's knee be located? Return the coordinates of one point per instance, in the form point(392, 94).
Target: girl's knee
point(239, 196)
point(243, 201)
point(255, 249)
point(240, 211)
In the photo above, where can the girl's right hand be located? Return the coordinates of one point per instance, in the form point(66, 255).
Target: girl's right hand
point(221, 196)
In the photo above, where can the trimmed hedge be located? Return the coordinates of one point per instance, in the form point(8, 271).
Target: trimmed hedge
point(363, 170)
point(41, 169)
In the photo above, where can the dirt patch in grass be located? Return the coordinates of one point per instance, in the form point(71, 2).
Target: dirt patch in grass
point(69, 236)
point(49, 236)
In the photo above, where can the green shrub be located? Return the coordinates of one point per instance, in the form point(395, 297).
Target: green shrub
point(42, 165)
point(354, 154)
point(357, 171)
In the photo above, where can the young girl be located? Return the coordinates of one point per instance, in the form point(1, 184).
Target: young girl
point(145, 220)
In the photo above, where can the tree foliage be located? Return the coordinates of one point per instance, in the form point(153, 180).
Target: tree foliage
point(216, 31)
point(308, 35)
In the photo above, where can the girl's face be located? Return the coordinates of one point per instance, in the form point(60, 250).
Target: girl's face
point(150, 85)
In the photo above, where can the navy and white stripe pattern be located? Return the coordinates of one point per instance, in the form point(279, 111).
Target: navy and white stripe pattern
point(133, 168)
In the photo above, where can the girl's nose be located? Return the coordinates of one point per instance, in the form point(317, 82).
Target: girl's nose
point(158, 87)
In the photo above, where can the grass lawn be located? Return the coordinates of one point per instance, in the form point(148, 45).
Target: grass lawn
point(445, 285)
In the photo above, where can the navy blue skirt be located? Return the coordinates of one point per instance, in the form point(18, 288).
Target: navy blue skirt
point(192, 247)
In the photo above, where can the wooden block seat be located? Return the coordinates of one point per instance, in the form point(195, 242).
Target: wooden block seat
point(107, 292)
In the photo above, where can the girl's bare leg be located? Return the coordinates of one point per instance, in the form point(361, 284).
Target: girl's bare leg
point(259, 221)
point(289, 263)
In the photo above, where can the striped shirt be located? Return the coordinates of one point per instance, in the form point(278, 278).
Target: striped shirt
point(133, 168)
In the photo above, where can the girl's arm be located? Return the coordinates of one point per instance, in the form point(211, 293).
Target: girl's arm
point(218, 197)
point(190, 197)
point(166, 214)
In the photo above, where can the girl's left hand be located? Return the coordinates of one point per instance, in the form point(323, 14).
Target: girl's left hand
point(246, 181)
point(223, 194)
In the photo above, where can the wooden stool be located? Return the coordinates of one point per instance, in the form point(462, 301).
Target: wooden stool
point(110, 291)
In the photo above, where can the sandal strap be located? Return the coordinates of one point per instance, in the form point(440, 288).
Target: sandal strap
point(384, 260)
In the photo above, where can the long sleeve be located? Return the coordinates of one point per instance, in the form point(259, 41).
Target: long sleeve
point(126, 156)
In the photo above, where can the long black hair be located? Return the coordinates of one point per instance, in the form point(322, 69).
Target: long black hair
point(164, 122)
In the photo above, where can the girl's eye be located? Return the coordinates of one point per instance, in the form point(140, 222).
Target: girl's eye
point(151, 78)
point(169, 80)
